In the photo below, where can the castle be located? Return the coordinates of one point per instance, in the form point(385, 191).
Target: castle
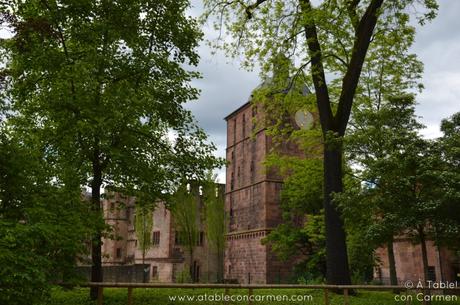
point(252, 207)
point(167, 258)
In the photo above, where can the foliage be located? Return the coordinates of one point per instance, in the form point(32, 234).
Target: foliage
point(448, 229)
point(144, 226)
point(108, 93)
point(42, 223)
point(184, 275)
point(374, 148)
point(215, 217)
point(184, 207)
point(215, 220)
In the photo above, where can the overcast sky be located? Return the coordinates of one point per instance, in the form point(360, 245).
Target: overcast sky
point(224, 86)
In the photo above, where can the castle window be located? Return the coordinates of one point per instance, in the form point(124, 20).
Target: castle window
point(231, 205)
point(155, 272)
point(201, 238)
point(177, 238)
point(156, 238)
point(118, 253)
point(254, 113)
point(196, 271)
point(431, 273)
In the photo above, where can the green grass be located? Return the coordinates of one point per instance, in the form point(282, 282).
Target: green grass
point(142, 296)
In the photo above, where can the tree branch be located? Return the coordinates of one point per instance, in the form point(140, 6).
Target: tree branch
point(250, 9)
point(350, 81)
point(338, 58)
point(351, 9)
point(317, 69)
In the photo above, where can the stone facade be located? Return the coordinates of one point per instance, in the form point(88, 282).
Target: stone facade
point(252, 201)
point(166, 259)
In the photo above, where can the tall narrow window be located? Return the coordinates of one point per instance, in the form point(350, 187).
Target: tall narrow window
point(244, 126)
point(254, 113)
point(156, 238)
point(234, 131)
point(201, 238)
point(196, 271)
point(231, 206)
point(155, 272)
point(178, 238)
point(431, 273)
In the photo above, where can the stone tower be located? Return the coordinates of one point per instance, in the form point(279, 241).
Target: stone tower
point(252, 201)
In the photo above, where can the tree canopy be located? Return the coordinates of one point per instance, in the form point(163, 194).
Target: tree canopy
point(102, 85)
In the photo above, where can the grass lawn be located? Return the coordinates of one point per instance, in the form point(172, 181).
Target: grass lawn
point(165, 296)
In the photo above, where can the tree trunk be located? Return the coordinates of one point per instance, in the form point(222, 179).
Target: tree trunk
point(192, 270)
point(422, 237)
point(144, 272)
point(337, 272)
point(392, 265)
point(220, 266)
point(96, 242)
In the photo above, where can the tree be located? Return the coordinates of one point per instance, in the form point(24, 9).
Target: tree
point(215, 220)
point(379, 131)
point(400, 174)
point(104, 86)
point(448, 149)
point(143, 227)
point(331, 38)
point(43, 224)
point(185, 210)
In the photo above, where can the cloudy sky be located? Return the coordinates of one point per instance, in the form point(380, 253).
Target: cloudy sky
point(224, 86)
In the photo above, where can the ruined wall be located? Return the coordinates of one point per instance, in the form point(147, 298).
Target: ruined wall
point(164, 259)
point(114, 274)
point(409, 265)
